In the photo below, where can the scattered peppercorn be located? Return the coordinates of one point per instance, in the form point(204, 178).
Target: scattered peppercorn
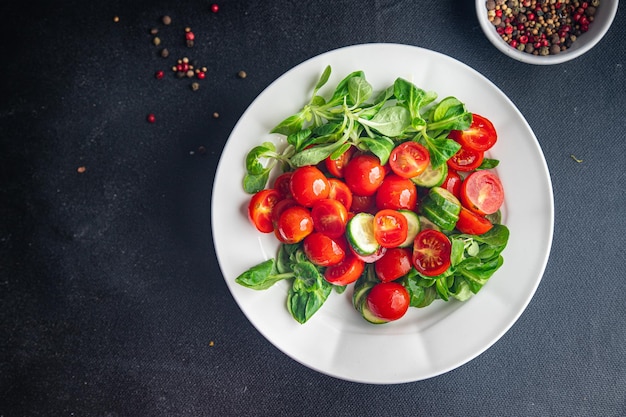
point(195, 86)
point(116, 19)
point(166, 20)
point(81, 169)
point(151, 118)
point(165, 53)
point(156, 41)
point(541, 27)
point(242, 74)
point(216, 115)
point(154, 31)
point(159, 75)
point(215, 8)
point(201, 150)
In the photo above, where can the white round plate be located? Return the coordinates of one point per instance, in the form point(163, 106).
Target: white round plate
point(426, 342)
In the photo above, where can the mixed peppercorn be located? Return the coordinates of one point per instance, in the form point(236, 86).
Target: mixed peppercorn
point(541, 27)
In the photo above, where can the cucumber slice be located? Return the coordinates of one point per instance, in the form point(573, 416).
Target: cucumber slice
point(442, 220)
point(441, 207)
point(360, 234)
point(432, 177)
point(414, 227)
point(369, 316)
point(427, 224)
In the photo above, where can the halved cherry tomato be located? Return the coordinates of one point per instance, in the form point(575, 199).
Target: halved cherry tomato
point(388, 300)
point(482, 192)
point(466, 159)
point(308, 184)
point(396, 193)
point(322, 250)
point(336, 166)
point(339, 191)
point(346, 271)
point(363, 174)
point(329, 217)
point(471, 223)
point(260, 209)
point(409, 159)
point(452, 183)
point(294, 224)
point(395, 263)
point(431, 252)
point(364, 204)
point(282, 184)
point(390, 228)
point(480, 136)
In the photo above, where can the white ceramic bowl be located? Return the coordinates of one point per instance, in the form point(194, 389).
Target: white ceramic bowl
point(597, 29)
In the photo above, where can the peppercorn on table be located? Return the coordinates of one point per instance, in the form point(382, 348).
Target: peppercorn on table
point(116, 299)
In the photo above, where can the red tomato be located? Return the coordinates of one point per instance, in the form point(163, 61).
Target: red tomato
point(431, 252)
point(395, 263)
point(482, 192)
point(294, 224)
point(396, 193)
point(346, 271)
point(280, 207)
point(364, 174)
point(369, 259)
point(471, 223)
point(322, 250)
point(390, 228)
point(388, 300)
point(309, 184)
point(480, 136)
point(466, 159)
point(329, 217)
point(364, 204)
point(452, 183)
point(336, 166)
point(260, 209)
point(339, 191)
point(409, 159)
point(282, 184)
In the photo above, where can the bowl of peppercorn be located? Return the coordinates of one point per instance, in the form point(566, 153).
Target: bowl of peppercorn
point(545, 32)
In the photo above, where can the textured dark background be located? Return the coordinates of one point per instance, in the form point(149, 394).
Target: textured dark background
point(111, 298)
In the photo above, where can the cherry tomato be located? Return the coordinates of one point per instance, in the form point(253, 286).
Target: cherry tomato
point(390, 228)
point(369, 259)
point(336, 166)
point(364, 204)
point(388, 300)
point(431, 252)
point(466, 159)
point(339, 191)
point(260, 209)
point(480, 136)
point(309, 184)
point(409, 159)
point(282, 184)
point(280, 207)
point(363, 174)
point(482, 192)
point(294, 224)
point(346, 271)
point(471, 223)
point(396, 193)
point(452, 183)
point(395, 263)
point(329, 217)
point(322, 250)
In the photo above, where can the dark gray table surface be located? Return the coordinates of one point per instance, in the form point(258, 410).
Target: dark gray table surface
point(112, 302)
